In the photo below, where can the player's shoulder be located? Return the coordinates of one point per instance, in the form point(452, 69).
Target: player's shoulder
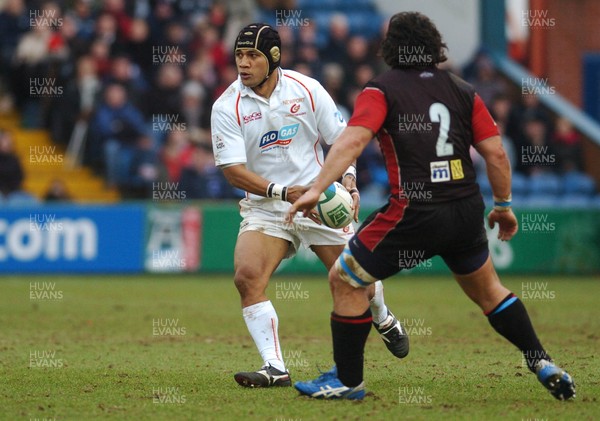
point(296, 77)
point(226, 101)
point(459, 82)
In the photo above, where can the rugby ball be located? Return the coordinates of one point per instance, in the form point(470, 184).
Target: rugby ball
point(335, 206)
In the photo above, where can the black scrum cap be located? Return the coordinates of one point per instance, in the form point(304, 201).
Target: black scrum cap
point(264, 39)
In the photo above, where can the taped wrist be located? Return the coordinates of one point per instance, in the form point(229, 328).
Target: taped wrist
point(277, 191)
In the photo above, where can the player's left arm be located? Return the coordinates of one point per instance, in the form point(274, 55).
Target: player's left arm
point(344, 151)
point(330, 124)
point(487, 142)
point(369, 114)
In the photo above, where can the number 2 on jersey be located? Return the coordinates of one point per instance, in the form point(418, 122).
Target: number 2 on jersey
point(438, 113)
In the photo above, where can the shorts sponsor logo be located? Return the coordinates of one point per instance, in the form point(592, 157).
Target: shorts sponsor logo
point(457, 169)
point(440, 171)
point(281, 137)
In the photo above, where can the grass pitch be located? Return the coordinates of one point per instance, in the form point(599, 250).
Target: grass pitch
point(143, 347)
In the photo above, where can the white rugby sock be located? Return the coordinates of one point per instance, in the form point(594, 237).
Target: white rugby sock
point(262, 323)
point(378, 307)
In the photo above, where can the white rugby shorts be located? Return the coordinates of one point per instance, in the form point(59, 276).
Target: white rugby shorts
point(269, 218)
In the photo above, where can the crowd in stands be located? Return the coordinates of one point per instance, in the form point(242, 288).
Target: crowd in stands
point(140, 78)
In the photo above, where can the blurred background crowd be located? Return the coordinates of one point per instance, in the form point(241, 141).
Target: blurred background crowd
point(137, 80)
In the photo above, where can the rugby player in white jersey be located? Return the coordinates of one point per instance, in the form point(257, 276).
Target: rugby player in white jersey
point(265, 132)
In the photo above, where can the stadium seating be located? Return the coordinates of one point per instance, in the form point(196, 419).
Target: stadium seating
point(544, 183)
point(81, 183)
point(578, 183)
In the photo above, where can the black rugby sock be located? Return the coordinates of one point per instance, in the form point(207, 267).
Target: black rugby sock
point(510, 319)
point(349, 337)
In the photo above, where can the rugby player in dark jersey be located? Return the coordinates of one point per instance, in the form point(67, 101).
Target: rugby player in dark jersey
point(426, 119)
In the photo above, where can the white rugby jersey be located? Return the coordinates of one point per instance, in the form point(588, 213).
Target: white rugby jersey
point(276, 138)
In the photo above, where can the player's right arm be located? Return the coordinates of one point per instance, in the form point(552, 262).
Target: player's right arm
point(242, 178)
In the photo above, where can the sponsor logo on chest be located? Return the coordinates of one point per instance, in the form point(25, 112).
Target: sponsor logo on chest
point(282, 137)
point(256, 115)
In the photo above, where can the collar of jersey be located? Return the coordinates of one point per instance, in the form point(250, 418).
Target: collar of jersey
point(246, 91)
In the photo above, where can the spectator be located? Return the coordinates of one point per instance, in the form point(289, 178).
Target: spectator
point(14, 22)
point(333, 82)
point(100, 52)
point(78, 101)
point(213, 46)
point(106, 29)
point(145, 169)
point(487, 82)
point(11, 173)
point(193, 107)
point(568, 145)
point(535, 152)
point(128, 75)
point(139, 47)
point(164, 99)
point(176, 154)
point(336, 49)
point(84, 19)
point(117, 126)
point(57, 192)
point(201, 179)
point(31, 64)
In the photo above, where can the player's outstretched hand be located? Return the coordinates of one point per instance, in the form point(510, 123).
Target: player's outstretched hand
point(349, 183)
point(294, 192)
point(506, 220)
point(305, 204)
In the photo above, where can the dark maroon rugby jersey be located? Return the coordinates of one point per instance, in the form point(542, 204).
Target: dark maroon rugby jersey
point(425, 120)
